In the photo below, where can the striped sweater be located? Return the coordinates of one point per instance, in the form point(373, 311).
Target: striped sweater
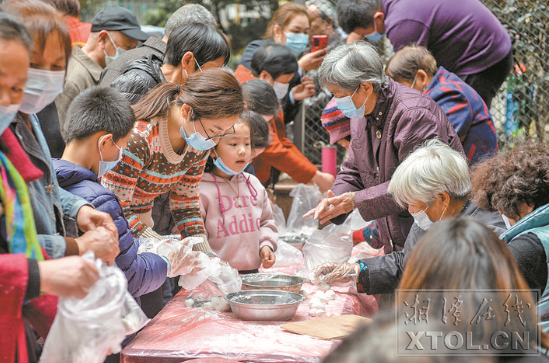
point(150, 167)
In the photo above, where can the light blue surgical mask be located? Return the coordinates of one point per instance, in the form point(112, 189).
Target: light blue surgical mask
point(106, 166)
point(347, 106)
point(41, 89)
point(119, 51)
point(197, 140)
point(224, 168)
point(375, 36)
point(7, 114)
point(297, 42)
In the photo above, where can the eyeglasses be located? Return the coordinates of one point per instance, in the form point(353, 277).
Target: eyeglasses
point(231, 131)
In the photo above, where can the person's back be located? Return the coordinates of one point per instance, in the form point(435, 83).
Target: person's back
point(467, 113)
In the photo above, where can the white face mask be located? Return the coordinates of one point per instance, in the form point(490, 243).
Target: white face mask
point(506, 221)
point(41, 89)
point(281, 89)
point(422, 219)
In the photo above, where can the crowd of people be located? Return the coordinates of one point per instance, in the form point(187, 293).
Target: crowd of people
point(110, 136)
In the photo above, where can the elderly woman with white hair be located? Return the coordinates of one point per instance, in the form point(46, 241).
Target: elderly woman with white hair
point(433, 183)
point(388, 120)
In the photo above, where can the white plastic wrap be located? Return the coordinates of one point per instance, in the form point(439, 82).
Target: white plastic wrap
point(331, 244)
point(306, 197)
point(86, 330)
point(287, 255)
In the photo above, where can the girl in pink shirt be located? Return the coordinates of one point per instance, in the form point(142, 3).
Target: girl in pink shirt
point(237, 214)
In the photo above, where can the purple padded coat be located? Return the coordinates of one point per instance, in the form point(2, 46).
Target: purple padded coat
point(402, 120)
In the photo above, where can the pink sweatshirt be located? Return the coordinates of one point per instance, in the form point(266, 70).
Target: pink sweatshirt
point(246, 223)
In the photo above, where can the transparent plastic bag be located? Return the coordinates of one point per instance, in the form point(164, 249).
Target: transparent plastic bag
point(196, 276)
point(331, 244)
point(133, 318)
point(280, 221)
point(86, 330)
point(287, 255)
point(355, 221)
point(306, 197)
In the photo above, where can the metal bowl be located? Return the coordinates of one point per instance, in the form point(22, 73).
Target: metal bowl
point(272, 282)
point(295, 241)
point(266, 305)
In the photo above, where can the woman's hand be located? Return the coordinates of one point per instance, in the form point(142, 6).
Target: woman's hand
point(332, 207)
point(267, 255)
point(329, 273)
point(102, 242)
point(305, 89)
point(323, 181)
point(68, 276)
point(312, 60)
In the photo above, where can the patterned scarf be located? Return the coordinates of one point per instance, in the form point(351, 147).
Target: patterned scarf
point(20, 228)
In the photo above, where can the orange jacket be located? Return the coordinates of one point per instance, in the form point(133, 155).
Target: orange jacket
point(281, 153)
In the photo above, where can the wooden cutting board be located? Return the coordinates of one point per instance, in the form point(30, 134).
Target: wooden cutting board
point(333, 327)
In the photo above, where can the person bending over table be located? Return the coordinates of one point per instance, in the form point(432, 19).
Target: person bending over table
point(388, 121)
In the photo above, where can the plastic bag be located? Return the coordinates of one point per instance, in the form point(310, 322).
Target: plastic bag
point(306, 197)
point(219, 272)
point(86, 330)
point(355, 221)
point(287, 255)
point(280, 221)
point(331, 244)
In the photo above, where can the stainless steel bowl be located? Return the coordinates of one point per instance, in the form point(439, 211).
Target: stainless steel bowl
point(272, 282)
point(265, 305)
point(295, 241)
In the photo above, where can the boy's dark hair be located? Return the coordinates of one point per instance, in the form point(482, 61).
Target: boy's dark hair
point(352, 14)
point(259, 130)
point(276, 59)
point(204, 41)
point(99, 109)
point(260, 97)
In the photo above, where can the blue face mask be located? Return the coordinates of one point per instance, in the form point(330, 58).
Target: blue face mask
point(347, 106)
point(7, 114)
point(297, 42)
point(224, 168)
point(106, 166)
point(197, 140)
point(375, 36)
point(119, 51)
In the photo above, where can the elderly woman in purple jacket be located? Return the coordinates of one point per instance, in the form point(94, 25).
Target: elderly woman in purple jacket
point(388, 121)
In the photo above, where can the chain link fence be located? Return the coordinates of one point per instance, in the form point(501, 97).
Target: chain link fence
point(521, 108)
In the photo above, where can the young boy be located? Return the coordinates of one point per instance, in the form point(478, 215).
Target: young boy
point(98, 127)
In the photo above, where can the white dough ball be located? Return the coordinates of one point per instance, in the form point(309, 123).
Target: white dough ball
point(331, 294)
point(323, 286)
point(312, 312)
point(208, 306)
point(189, 303)
point(315, 303)
point(320, 313)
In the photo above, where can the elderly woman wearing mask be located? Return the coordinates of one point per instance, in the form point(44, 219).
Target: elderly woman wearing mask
point(516, 184)
point(434, 184)
point(388, 121)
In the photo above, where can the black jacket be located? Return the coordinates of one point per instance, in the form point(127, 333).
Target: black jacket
point(384, 272)
point(138, 77)
point(153, 45)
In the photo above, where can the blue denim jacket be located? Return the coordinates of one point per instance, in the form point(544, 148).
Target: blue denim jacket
point(54, 209)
